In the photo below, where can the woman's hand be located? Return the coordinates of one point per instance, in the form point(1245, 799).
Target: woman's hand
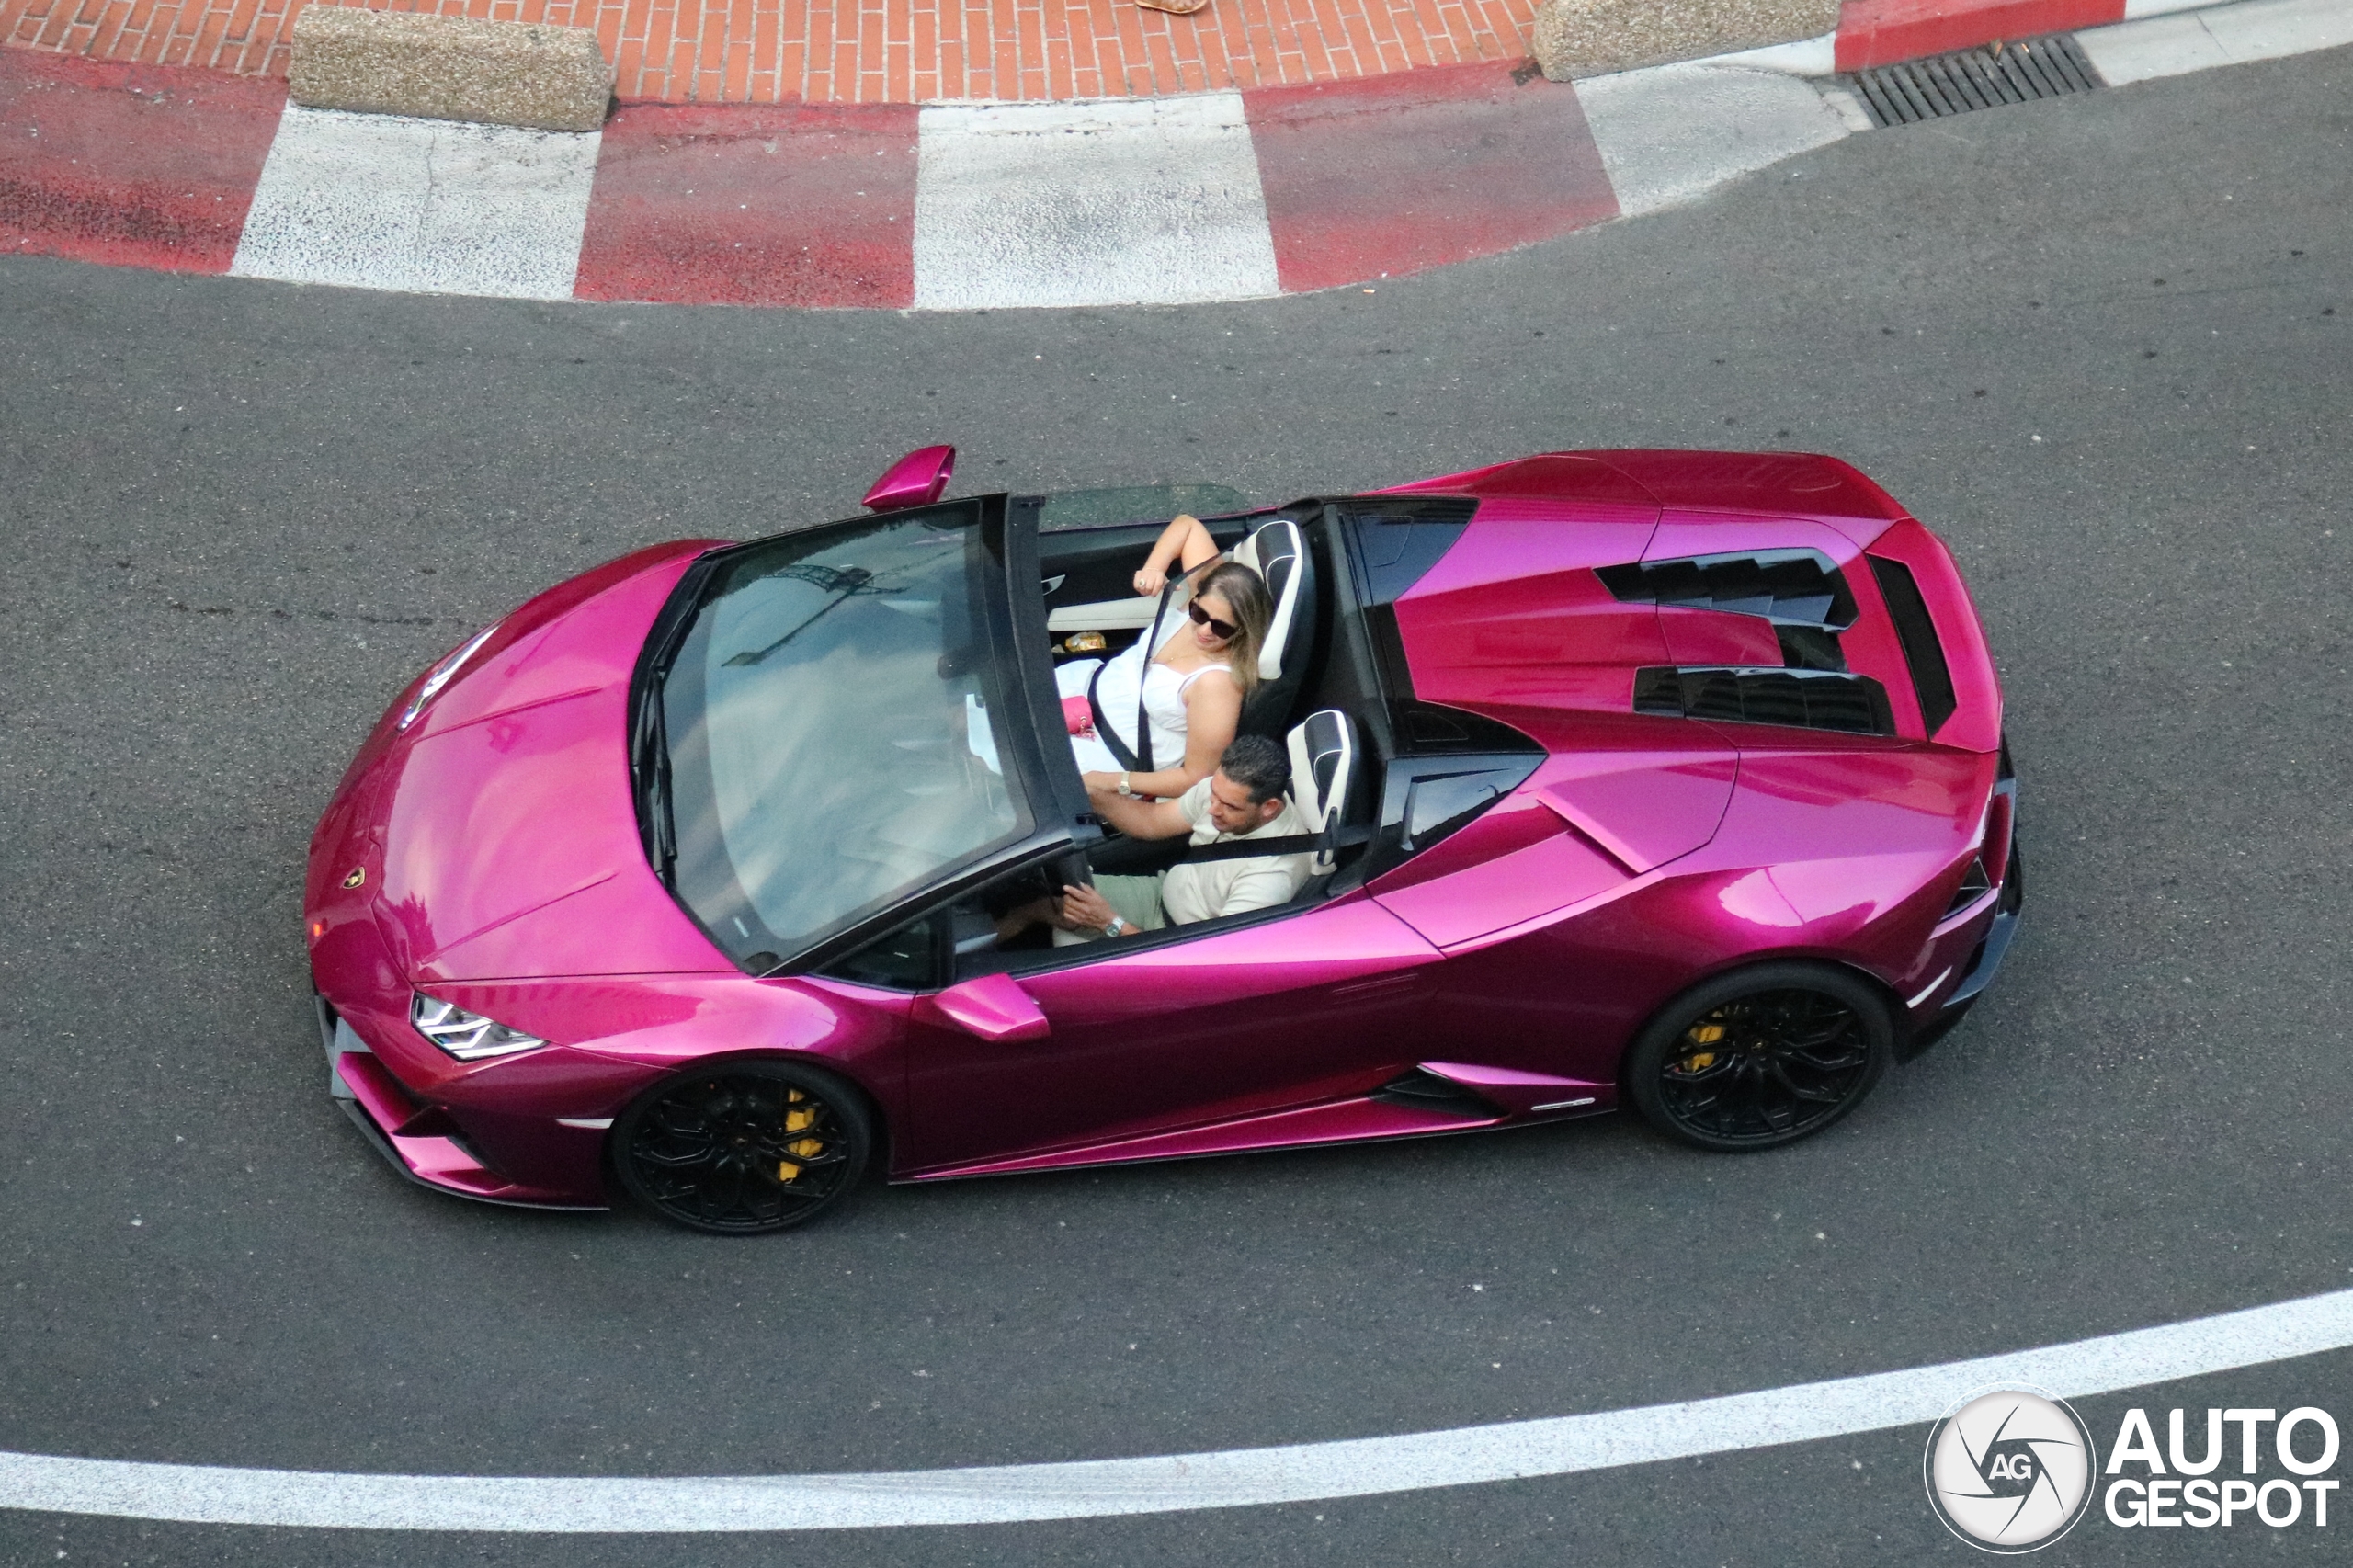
point(1185, 543)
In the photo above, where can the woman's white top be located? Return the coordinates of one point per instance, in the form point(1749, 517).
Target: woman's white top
point(1163, 703)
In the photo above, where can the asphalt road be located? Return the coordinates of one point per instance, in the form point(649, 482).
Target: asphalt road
point(2104, 345)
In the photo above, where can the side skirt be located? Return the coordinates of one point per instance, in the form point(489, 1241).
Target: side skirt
point(1370, 1118)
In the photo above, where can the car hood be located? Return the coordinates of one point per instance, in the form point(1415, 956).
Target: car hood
point(507, 837)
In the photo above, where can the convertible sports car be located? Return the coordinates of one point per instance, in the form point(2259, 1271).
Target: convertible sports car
point(1674, 777)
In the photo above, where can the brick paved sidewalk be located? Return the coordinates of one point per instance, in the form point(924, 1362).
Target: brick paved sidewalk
point(861, 50)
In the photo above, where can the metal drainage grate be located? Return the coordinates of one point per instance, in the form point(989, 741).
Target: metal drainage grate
point(1975, 79)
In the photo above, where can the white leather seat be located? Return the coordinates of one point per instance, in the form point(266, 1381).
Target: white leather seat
point(1323, 771)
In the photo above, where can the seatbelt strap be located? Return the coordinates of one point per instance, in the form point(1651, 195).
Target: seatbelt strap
point(1288, 844)
point(1103, 730)
point(1140, 756)
point(1143, 676)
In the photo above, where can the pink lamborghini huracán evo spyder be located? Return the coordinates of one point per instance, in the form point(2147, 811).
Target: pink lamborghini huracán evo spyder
point(1674, 777)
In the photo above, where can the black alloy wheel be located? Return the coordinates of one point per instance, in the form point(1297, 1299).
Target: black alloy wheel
point(744, 1147)
point(1762, 1057)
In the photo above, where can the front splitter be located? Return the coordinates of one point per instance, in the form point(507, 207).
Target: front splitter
point(418, 1140)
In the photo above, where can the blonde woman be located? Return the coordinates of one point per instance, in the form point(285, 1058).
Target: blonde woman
point(1193, 684)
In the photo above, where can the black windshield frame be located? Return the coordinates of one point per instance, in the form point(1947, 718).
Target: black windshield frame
point(1031, 741)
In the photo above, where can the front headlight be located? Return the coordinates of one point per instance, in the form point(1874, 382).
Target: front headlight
point(469, 1037)
point(442, 674)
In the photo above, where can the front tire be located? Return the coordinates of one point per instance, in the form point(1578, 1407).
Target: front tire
point(742, 1148)
point(1761, 1057)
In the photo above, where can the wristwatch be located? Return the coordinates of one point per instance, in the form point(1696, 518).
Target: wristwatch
point(1123, 786)
point(1119, 924)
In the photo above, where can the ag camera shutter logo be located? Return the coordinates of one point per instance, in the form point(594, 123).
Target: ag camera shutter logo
point(2010, 1469)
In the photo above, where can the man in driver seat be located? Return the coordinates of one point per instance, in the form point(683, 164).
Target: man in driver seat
point(1246, 798)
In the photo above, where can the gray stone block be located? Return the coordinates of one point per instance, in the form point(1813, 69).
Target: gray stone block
point(1594, 38)
point(526, 74)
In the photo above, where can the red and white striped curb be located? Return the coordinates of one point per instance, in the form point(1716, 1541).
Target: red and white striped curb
point(1218, 196)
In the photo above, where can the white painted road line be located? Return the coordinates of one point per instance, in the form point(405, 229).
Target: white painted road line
point(1148, 201)
point(1234, 1478)
point(2226, 35)
point(428, 206)
point(1670, 133)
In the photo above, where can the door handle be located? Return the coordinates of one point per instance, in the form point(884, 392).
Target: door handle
point(995, 1007)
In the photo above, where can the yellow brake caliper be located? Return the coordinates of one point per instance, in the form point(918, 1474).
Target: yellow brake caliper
point(797, 1119)
point(1702, 1034)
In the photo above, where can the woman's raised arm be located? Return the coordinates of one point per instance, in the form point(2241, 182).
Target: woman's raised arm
point(1184, 543)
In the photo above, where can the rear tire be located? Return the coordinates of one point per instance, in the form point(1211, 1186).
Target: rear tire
point(1761, 1057)
point(742, 1148)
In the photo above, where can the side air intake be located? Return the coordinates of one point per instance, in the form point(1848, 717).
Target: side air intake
point(1426, 1091)
point(1923, 654)
point(1974, 885)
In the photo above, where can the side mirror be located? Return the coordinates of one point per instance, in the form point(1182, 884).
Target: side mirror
point(995, 1008)
point(917, 480)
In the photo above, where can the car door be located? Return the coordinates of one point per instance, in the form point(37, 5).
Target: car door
point(1145, 1035)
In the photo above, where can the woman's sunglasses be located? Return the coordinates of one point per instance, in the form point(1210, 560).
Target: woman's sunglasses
point(1219, 629)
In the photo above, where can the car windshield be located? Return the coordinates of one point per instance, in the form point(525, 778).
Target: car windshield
point(828, 721)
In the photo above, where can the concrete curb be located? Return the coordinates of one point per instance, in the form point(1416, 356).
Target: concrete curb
point(1598, 38)
point(1221, 196)
point(432, 67)
point(1578, 38)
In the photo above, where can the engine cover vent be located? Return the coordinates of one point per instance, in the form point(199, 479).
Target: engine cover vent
point(1803, 699)
point(1788, 588)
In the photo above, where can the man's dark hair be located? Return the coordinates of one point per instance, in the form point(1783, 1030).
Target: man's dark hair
point(1258, 765)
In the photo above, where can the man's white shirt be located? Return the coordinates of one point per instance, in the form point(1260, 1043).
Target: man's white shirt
point(1195, 892)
